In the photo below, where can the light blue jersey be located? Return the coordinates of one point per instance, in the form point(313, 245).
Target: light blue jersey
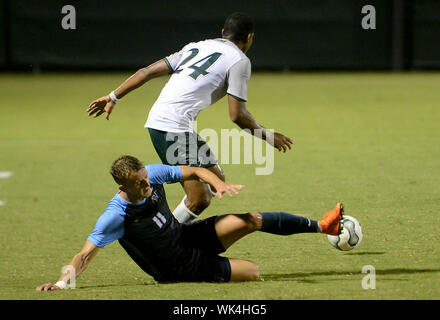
point(110, 225)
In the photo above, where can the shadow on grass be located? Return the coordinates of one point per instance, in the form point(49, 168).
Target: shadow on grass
point(118, 285)
point(366, 253)
point(302, 276)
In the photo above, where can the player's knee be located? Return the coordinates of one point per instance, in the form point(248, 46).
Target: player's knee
point(254, 273)
point(254, 220)
point(244, 270)
point(201, 203)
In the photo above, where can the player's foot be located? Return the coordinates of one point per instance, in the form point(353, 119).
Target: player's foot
point(331, 224)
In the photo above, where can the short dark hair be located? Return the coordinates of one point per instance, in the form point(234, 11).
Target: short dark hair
point(238, 26)
point(123, 166)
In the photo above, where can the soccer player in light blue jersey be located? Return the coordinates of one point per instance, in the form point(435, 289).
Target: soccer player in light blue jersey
point(138, 217)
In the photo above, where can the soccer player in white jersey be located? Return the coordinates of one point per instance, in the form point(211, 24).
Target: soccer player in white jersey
point(202, 73)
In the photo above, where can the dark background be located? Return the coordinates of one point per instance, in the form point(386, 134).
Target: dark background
point(289, 35)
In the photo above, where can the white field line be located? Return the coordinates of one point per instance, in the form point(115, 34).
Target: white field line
point(4, 175)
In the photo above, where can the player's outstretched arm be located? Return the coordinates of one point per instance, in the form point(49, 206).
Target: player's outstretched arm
point(241, 117)
point(79, 263)
point(205, 175)
point(106, 103)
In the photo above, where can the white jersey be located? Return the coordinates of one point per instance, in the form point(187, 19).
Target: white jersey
point(202, 73)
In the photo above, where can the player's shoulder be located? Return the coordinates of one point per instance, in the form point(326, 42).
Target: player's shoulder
point(116, 205)
point(163, 173)
point(220, 44)
point(155, 168)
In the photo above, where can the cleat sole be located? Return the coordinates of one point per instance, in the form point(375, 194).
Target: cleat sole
point(341, 214)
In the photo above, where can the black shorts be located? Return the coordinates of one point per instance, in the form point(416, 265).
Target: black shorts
point(211, 267)
point(182, 148)
point(195, 258)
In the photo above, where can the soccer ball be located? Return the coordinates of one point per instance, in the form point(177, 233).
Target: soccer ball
point(351, 234)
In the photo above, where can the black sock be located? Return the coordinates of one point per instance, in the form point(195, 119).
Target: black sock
point(284, 223)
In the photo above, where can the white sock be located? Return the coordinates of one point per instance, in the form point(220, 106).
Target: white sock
point(319, 230)
point(182, 213)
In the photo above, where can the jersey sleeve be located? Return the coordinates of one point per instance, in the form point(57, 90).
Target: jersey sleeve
point(173, 59)
point(238, 77)
point(161, 173)
point(108, 228)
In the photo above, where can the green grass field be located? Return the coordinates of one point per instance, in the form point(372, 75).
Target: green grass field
point(371, 140)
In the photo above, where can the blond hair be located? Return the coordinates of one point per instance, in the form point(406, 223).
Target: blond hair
point(123, 166)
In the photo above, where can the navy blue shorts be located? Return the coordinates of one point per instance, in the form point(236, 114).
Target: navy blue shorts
point(211, 267)
point(195, 259)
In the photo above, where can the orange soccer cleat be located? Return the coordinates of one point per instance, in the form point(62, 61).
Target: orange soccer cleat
point(331, 224)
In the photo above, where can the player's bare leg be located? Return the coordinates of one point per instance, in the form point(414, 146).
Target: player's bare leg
point(198, 194)
point(232, 227)
point(244, 270)
point(198, 197)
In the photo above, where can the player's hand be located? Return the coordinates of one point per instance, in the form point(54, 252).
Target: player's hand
point(101, 105)
point(47, 287)
point(280, 141)
point(230, 189)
